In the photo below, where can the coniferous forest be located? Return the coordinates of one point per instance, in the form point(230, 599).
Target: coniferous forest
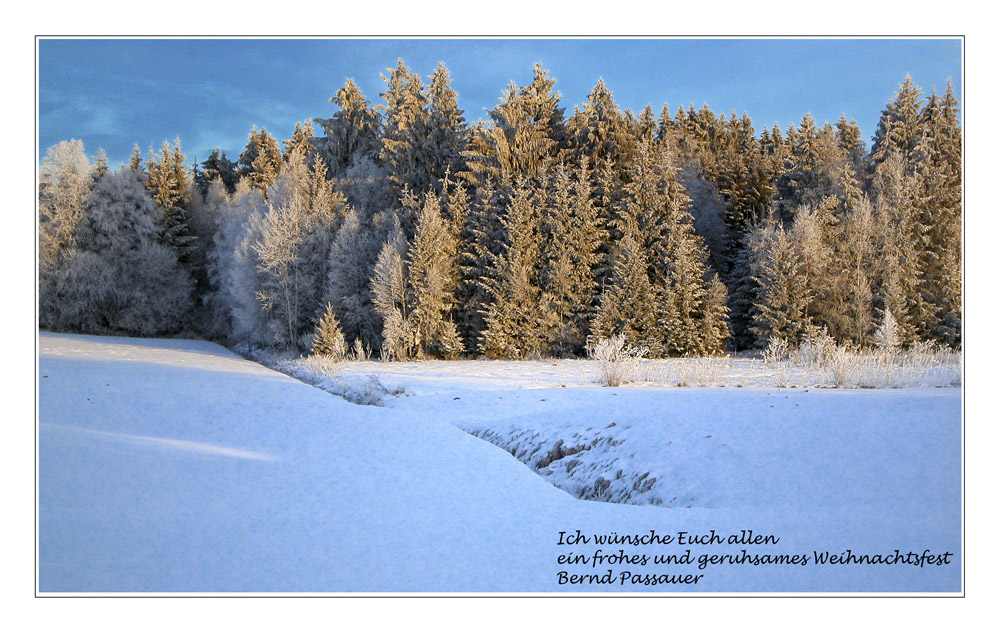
point(402, 229)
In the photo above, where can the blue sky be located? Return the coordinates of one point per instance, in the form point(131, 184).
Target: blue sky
point(115, 93)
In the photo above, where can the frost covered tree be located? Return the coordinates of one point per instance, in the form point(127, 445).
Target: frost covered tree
point(261, 160)
point(897, 279)
point(629, 305)
point(65, 180)
point(388, 291)
point(515, 318)
point(572, 234)
point(232, 265)
point(405, 124)
point(481, 241)
point(351, 134)
point(118, 278)
point(783, 300)
point(328, 340)
point(814, 170)
point(303, 212)
point(887, 334)
point(600, 131)
point(655, 213)
point(525, 135)
point(352, 257)
point(432, 278)
point(446, 135)
point(898, 129)
point(858, 256)
point(217, 167)
point(938, 207)
point(301, 142)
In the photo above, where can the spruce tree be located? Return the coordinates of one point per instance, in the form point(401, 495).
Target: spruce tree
point(783, 301)
point(217, 167)
point(481, 242)
point(432, 279)
point(655, 214)
point(526, 134)
point(351, 134)
point(301, 142)
point(899, 126)
point(405, 125)
point(514, 322)
point(261, 160)
point(629, 304)
point(328, 340)
point(446, 135)
point(897, 279)
point(572, 235)
point(938, 209)
point(167, 183)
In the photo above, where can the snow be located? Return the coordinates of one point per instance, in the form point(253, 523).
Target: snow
point(177, 466)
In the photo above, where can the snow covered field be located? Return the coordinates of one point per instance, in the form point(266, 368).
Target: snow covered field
point(172, 465)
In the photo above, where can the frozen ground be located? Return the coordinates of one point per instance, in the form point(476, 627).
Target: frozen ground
point(178, 466)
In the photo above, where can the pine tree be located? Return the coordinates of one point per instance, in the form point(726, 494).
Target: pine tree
point(446, 135)
point(858, 254)
point(100, 164)
point(525, 136)
point(887, 334)
point(938, 207)
point(897, 279)
point(814, 170)
point(481, 239)
point(167, 183)
point(899, 127)
point(601, 131)
point(656, 215)
point(135, 162)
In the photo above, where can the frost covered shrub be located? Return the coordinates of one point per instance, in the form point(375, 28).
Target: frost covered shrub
point(358, 351)
point(617, 362)
point(817, 350)
point(887, 336)
point(325, 373)
point(776, 350)
point(321, 365)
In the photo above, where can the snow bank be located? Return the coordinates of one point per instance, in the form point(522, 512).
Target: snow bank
point(178, 466)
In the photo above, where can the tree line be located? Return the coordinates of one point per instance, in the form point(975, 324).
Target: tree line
point(401, 228)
